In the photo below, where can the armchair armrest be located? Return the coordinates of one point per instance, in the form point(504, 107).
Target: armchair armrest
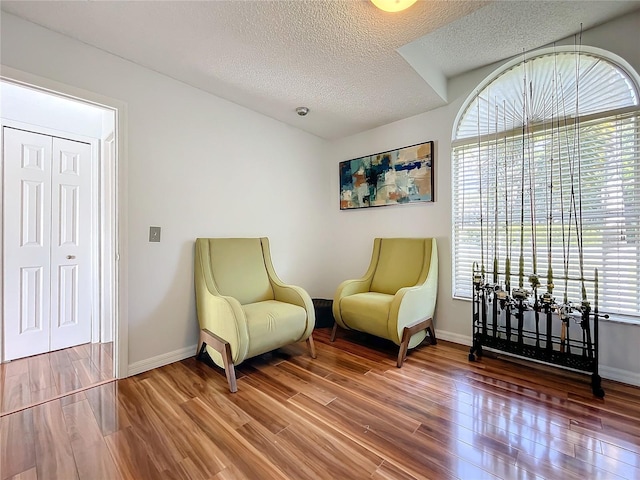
point(411, 304)
point(355, 286)
point(224, 316)
point(345, 289)
point(296, 296)
point(289, 293)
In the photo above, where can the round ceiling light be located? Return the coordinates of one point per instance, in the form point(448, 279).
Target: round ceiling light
point(393, 5)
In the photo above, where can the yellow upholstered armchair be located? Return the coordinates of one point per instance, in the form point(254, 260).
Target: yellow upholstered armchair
point(396, 298)
point(244, 309)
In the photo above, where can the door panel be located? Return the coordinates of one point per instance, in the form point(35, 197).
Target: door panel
point(68, 296)
point(27, 249)
point(71, 246)
point(31, 213)
point(32, 316)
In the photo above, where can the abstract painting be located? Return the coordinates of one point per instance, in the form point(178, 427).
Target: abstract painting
point(395, 177)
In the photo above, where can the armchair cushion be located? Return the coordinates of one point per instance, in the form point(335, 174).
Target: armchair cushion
point(239, 270)
point(367, 312)
point(272, 324)
point(400, 262)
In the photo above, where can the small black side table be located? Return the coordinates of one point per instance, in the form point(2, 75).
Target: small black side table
point(324, 314)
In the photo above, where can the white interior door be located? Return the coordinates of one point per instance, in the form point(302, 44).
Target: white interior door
point(47, 243)
point(27, 242)
point(70, 243)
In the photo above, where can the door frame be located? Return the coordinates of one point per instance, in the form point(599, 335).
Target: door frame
point(117, 223)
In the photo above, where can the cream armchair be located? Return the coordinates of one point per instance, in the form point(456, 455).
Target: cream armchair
point(396, 298)
point(243, 308)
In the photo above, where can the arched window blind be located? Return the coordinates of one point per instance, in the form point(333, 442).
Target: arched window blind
point(548, 147)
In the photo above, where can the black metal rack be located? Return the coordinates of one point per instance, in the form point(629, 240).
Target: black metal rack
point(529, 325)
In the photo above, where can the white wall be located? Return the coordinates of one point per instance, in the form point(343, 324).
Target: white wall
point(198, 166)
point(620, 355)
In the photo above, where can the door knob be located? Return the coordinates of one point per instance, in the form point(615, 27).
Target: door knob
point(70, 257)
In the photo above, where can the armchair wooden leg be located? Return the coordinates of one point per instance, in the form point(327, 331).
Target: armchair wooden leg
point(312, 346)
point(224, 349)
point(409, 331)
point(432, 335)
point(333, 331)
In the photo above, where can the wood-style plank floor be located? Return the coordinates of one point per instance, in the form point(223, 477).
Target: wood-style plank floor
point(349, 414)
point(32, 380)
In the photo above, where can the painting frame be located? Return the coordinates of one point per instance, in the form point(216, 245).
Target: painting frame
point(401, 176)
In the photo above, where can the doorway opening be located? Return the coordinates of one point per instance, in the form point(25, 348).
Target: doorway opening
point(75, 288)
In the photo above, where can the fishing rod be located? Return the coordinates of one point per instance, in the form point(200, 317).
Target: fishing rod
point(520, 293)
point(579, 233)
point(479, 283)
point(550, 191)
point(495, 209)
point(495, 231)
point(507, 266)
point(480, 180)
point(547, 298)
point(586, 330)
point(509, 199)
point(575, 216)
point(521, 260)
point(533, 278)
point(532, 203)
point(565, 308)
point(595, 378)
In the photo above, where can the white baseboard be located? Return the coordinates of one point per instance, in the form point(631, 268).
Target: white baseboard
point(161, 360)
point(619, 375)
point(610, 373)
point(454, 337)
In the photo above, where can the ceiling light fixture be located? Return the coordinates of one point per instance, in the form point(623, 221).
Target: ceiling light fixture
point(393, 5)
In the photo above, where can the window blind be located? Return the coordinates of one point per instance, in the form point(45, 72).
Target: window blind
point(546, 166)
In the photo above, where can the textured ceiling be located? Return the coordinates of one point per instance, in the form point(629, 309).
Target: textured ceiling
point(353, 65)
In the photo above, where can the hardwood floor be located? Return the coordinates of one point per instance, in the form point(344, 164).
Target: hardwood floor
point(349, 414)
point(32, 380)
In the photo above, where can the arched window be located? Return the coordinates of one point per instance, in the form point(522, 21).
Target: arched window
point(546, 161)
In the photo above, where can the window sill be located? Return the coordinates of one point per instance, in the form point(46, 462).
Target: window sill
point(626, 319)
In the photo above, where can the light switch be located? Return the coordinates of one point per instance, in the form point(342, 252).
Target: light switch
point(154, 234)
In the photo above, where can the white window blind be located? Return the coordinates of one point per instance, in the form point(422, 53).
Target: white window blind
point(563, 172)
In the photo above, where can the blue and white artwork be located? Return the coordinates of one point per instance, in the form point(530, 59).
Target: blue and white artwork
point(395, 177)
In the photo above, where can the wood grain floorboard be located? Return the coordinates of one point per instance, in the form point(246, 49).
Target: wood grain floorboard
point(387, 471)
point(130, 455)
point(108, 411)
point(27, 475)
point(90, 452)
point(292, 462)
point(233, 448)
point(54, 456)
point(16, 367)
point(29, 381)
point(349, 414)
point(16, 393)
point(17, 447)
